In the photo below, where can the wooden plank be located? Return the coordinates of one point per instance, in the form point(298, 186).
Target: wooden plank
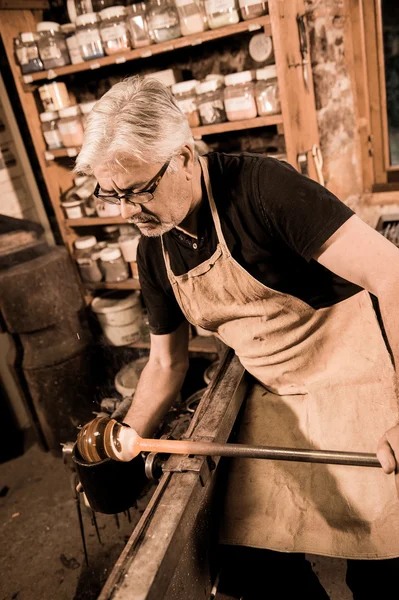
point(24, 4)
point(297, 104)
point(92, 221)
point(200, 344)
point(237, 125)
point(128, 284)
point(183, 42)
point(356, 60)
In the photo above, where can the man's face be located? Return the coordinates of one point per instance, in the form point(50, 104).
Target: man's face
point(172, 198)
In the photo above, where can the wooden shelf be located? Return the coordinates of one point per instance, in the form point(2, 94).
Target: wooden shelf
point(237, 125)
point(197, 132)
point(128, 284)
point(91, 221)
point(182, 42)
point(196, 344)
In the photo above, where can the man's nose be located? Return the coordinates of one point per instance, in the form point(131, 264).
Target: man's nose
point(129, 210)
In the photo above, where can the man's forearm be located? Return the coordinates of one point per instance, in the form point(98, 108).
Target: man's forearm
point(156, 391)
point(388, 300)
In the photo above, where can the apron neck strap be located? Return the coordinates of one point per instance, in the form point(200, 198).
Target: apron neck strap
point(205, 171)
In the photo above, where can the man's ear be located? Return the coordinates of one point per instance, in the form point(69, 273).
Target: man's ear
point(187, 156)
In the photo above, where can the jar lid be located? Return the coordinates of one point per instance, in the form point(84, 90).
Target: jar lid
point(184, 86)
point(87, 107)
point(269, 72)
point(112, 12)
point(70, 111)
point(88, 241)
point(260, 47)
point(236, 78)
point(137, 8)
point(48, 116)
point(71, 203)
point(47, 26)
point(27, 36)
point(68, 28)
point(109, 254)
point(114, 302)
point(216, 77)
point(111, 228)
point(207, 86)
point(87, 19)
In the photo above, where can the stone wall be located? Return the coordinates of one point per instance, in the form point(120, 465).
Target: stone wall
point(335, 103)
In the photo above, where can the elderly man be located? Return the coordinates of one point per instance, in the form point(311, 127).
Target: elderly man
point(284, 273)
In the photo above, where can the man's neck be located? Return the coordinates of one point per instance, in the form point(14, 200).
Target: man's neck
point(189, 225)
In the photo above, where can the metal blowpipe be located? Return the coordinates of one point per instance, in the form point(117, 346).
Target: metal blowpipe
point(106, 438)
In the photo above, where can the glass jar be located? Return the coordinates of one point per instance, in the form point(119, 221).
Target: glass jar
point(70, 126)
point(251, 9)
point(79, 7)
point(266, 91)
point(49, 121)
point(113, 266)
point(27, 53)
point(185, 97)
point(111, 233)
point(52, 45)
point(113, 30)
point(85, 109)
point(89, 268)
point(54, 96)
point(163, 20)
point(74, 209)
point(88, 34)
point(84, 246)
point(210, 102)
point(239, 96)
point(137, 23)
point(192, 16)
point(221, 13)
point(69, 30)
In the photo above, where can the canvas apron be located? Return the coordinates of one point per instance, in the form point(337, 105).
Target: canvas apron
point(327, 383)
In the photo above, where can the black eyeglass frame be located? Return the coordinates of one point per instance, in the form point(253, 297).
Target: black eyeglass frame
point(148, 190)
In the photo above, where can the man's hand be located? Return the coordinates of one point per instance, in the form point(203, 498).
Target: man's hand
point(388, 453)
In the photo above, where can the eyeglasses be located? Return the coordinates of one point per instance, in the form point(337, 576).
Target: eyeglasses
point(131, 197)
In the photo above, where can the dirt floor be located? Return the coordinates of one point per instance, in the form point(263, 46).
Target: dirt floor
point(41, 549)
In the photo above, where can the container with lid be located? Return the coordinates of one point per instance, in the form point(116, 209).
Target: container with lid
point(111, 233)
point(163, 20)
point(221, 13)
point(251, 9)
point(137, 23)
point(70, 126)
point(69, 30)
point(49, 121)
point(216, 77)
point(27, 52)
point(210, 102)
point(85, 109)
point(74, 209)
point(266, 91)
point(239, 96)
point(113, 30)
point(113, 265)
point(167, 77)
point(192, 16)
point(84, 246)
point(88, 34)
point(120, 316)
point(54, 96)
point(185, 96)
point(52, 45)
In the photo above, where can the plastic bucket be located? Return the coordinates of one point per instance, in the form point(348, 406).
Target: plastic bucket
point(120, 317)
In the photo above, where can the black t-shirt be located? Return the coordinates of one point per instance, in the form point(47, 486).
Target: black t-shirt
point(273, 220)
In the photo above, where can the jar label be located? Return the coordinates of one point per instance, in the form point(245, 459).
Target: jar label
point(49, 52)
point(53, 139)
point(113, 33)
point(186, 106)
point(88, 37)
point(240, 103)
point(219, 6)
point(163, 21)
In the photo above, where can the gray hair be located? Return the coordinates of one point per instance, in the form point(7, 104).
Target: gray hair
point(136, 116)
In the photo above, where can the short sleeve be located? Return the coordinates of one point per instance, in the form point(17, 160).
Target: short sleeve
point(297, 209)
point(164, 313)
